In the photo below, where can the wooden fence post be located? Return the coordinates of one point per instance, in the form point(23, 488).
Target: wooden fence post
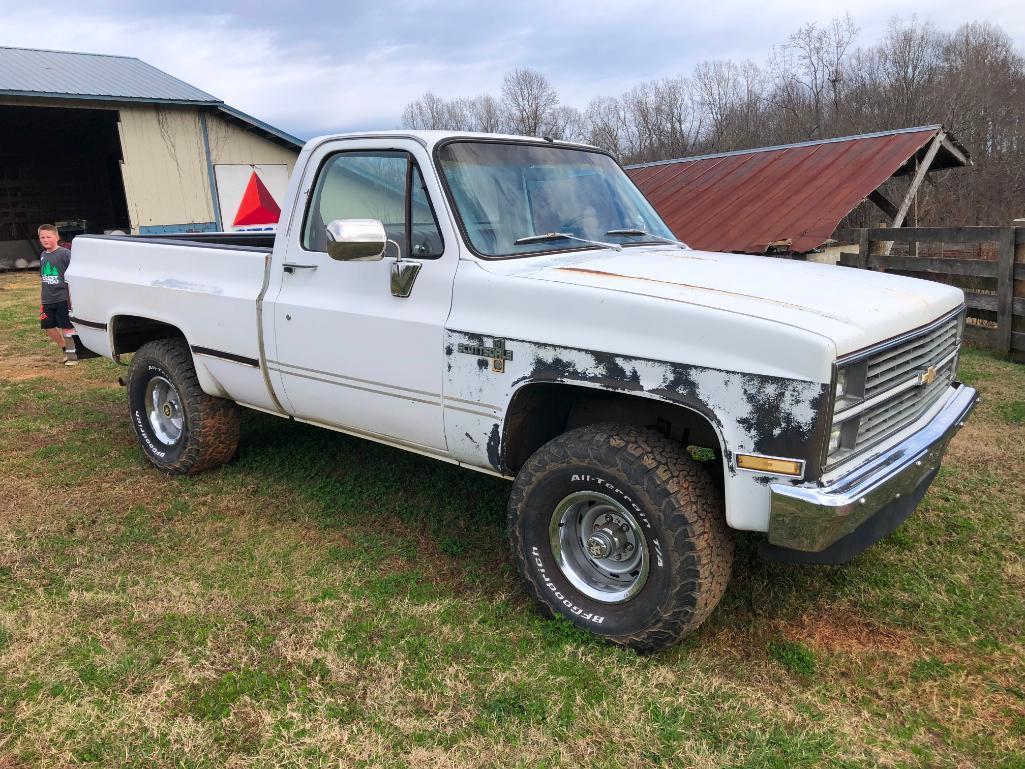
point(1005, 289)
point(864, 244)
point(1018, 293)
point(878, 248)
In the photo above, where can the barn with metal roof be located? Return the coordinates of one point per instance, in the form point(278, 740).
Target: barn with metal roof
point(791, 198)
point(97, 143)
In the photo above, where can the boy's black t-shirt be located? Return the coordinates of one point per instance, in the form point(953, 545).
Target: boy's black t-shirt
point(52, 265)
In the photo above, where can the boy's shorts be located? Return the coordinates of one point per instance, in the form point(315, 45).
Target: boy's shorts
point(54, 315)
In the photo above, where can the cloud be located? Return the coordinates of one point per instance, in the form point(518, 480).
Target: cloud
point(324, 67)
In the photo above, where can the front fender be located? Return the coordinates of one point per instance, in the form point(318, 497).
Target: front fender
point(750, 413)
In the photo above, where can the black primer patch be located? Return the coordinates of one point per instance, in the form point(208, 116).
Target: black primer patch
point(771, 423)
point(494, 447)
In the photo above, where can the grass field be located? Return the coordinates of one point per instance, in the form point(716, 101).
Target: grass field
point(325, 601)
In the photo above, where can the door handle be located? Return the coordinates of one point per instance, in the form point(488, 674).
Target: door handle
point(291, 267)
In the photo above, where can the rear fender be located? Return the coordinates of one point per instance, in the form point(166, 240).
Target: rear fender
point(130, 332)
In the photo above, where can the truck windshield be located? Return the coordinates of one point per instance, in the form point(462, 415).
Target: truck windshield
point(505, 193)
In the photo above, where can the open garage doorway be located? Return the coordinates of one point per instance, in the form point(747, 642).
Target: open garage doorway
point(57, 165)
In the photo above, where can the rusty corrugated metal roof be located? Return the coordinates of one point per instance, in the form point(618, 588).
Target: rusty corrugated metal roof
point(743, 201)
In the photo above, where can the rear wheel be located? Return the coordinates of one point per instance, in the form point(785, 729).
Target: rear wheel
point(181, 429)
point(619, 531)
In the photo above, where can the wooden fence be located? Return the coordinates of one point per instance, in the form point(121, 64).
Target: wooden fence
point(993, 281)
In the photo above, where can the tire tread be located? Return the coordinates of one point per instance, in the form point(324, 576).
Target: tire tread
point(701, 551)
point(214, 424)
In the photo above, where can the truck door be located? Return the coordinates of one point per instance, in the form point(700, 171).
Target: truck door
point(346, 351)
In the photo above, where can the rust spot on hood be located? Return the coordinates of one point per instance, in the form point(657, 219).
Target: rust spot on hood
point(767, 300)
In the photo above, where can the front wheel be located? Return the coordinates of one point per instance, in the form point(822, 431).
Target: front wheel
point(619, 531)
point(180, 428)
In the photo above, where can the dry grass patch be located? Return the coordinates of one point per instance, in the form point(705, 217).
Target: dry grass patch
point(18, 368)
point(847, 632)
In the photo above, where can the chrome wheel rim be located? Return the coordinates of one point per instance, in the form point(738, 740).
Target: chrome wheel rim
point(164, 410)
point(599, 547)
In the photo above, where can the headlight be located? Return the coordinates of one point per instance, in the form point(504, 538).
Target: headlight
point(842, 437)
point(834, 439)
point(841, 384)
point(848, 391)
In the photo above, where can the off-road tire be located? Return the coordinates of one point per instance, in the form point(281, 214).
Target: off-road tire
point(676, 506)
point(209, 433)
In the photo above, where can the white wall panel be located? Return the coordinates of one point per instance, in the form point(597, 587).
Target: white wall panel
point(231, 144)
point(165, 171)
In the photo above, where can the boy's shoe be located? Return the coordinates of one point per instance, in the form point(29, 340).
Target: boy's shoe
point(70, 357)
point(71, 363)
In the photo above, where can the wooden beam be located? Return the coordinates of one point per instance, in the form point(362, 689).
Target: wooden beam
point(941, 234)
point(864, 247)
point(1005, 291)
point(982, 336)
point(991, 303)
point(923, 169)
point(950, 147)
point(976, 268)
point(884, 203)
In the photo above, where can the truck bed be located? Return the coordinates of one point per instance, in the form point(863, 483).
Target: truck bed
point(204, 285)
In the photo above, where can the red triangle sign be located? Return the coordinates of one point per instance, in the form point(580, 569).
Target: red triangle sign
point(257, 206)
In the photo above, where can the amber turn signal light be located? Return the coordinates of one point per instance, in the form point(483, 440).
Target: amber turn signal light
point(770, 465)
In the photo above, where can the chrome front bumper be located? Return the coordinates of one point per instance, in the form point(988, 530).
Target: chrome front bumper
point(812, 517)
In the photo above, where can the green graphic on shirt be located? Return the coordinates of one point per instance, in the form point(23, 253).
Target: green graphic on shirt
point(51, 275)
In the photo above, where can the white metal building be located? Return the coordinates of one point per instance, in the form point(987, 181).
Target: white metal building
point(109, 142)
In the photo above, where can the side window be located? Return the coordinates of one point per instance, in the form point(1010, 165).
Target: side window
point(374, 185)
point(425, 237)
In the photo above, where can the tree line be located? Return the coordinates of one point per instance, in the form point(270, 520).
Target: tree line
point(816, 84)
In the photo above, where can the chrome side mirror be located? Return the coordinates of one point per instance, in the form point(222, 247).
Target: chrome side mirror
point(356, 240)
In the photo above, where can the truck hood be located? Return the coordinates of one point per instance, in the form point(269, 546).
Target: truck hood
point(854, 308)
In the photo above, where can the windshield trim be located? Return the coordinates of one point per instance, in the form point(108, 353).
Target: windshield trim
point(450, 199)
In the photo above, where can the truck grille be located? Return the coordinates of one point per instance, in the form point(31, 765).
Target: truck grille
point(893, 368)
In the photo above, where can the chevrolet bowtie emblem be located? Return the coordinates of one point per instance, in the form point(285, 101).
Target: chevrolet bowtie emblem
point(928, 376)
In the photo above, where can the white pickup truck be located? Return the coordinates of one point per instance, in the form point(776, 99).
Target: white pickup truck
point(516, 306)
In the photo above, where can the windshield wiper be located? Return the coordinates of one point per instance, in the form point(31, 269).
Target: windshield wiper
point(548, 237)
point(641, 233)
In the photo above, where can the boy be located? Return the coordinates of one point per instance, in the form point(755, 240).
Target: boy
point(54, 297)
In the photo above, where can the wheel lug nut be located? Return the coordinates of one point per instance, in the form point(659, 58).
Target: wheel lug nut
point(608, 518)
point(629, 547)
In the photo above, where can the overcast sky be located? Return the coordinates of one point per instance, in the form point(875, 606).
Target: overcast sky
point(325, 67)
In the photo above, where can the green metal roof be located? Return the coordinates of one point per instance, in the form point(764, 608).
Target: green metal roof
point(46, 74)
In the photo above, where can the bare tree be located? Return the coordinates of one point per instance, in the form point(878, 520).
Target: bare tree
point(607, 124)
point(565, 123)
point(908, 56)
point(429, 112)
point(487, 114)
point(810, 71)
point(717, 84)
point(841, 35)
point(530, 101)
point(665, 120)
point(786, 97)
